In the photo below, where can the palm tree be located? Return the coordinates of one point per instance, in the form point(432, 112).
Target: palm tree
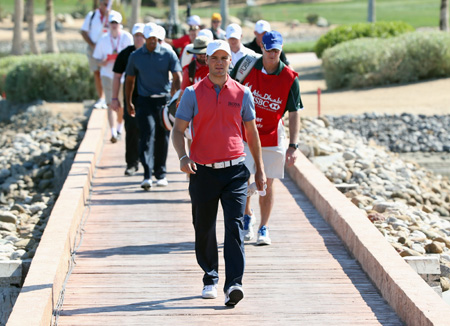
point(34, 47)
point(18, 24)
point(443, 21)
point(52, 46)
point(371, 17)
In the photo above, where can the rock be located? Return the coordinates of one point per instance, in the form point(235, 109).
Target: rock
point(418, 248)
point(7, 227)
point(7, 217)
point(427, 209)
point(445, 268)
point(445, 283)
point(18, 254)
point(434, 247)
point(443, 240)
point(376, 217)
point(349, 156)
point(361, 201)
point(381, 207)
point(24, 243)
point(36, 207)
point(409, 252)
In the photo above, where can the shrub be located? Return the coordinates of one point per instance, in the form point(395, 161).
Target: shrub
point(7, 64)
point(50, 77)
point(345, 33)
point(371, 62)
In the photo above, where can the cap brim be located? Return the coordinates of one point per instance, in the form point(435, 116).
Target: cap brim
point(151, 35)
point(197, 51)
point(235, 35)
point(274, 46)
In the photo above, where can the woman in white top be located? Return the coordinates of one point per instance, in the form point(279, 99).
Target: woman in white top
point(106, 51)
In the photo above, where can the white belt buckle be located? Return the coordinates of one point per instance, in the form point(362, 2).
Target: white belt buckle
point(219, 165)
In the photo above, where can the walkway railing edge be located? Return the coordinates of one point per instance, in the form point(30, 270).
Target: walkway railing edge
point(44, 281)
point(407, 293)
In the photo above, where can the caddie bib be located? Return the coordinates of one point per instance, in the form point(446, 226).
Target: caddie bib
point(270, 93)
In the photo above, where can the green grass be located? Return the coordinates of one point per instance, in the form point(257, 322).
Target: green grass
point(297, 47)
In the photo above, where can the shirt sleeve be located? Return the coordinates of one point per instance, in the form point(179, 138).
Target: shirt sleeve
point(186, 108)
point(131, 67)
point(121, 62)
point(294, 102)
point(175, 65)
point(85, 26)
point(248, 106)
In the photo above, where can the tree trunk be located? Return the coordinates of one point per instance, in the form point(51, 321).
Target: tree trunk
point(135, 13)
point(224, 13)
point(52, 46)
point(371, 17)
point(443, 21)
point(34, 47)
point(17, 48)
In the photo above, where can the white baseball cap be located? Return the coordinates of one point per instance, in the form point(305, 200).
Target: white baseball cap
point(206, 32)
point(262, 26)
point(151, 30)
point(194, 20)
point(138, 28)
point(115, 16)
point(234, 31)
point(161, 32)
point(217, 45)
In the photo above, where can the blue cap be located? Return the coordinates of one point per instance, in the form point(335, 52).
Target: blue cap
point(272, 40)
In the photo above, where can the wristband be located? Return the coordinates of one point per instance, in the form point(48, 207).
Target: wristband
point(114, 99)
point(182, 157)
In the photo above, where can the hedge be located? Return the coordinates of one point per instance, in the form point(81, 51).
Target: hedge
point(372, 62)
point(345, 33)
point(50, 77)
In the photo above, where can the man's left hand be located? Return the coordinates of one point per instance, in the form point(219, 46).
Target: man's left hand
point(291, 156)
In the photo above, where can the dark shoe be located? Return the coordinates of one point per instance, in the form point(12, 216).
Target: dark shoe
point(113, 139)
point(131, 170)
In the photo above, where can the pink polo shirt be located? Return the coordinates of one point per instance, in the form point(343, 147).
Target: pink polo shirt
point(217, 116)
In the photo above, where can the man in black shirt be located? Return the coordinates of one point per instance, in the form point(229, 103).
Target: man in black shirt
point(261, 27)
point(131, 126)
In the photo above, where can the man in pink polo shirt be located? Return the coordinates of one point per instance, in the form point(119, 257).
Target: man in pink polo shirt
point(218, 107)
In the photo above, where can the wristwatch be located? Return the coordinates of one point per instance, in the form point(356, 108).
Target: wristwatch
point(295, 146)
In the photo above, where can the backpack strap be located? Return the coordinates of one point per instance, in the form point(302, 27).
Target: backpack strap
point(246, 66)
point(92, 17)
point(192, 68)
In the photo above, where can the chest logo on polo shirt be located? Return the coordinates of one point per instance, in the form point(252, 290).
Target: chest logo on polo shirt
point(265, 101)
point(234, 104)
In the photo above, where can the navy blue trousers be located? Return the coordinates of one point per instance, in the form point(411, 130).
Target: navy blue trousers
point(131, 138)
point(154, 138)
point(207, 187)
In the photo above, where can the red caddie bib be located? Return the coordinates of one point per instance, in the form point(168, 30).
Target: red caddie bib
point(270, 93)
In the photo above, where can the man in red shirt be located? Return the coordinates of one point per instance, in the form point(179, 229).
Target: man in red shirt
point(180, 43)
point(220, 109)
point(276, 90)
point(197, 69)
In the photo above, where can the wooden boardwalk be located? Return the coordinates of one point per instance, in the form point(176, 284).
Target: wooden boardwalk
point(136, 264)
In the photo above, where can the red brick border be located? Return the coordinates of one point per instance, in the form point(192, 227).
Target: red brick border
point(43, 284)
point(408, 294)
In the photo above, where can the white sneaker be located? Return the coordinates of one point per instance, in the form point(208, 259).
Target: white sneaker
point(234, 295)
point(209, 292)
point(146, 184)
point(100, 104)
point(263, 236)
point(249, 220)
point(162, 182)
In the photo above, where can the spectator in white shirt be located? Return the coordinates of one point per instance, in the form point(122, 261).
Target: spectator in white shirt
point(106, 51)
point(94, 25)
point(238, 50)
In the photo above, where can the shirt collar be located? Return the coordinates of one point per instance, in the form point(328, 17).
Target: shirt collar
point(156, 50)
point(210, 84)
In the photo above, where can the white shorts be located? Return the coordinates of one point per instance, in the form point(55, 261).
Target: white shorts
point(107, 84)
point(273, 159)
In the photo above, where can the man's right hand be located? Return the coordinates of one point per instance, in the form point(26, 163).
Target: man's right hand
point(131, 110)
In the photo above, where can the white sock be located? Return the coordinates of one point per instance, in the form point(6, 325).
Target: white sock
point(114, 132)
point(120, 127)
